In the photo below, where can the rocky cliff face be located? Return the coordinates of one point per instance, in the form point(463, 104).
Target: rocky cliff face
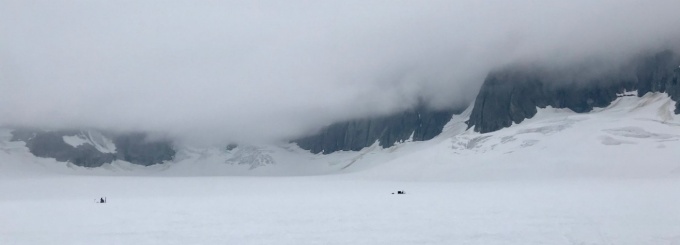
point(419, 123)
point(509, 96)
point(89, 148)
point(513, 94)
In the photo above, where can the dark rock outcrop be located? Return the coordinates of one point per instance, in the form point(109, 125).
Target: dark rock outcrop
point(133, 147)
point(421, 123)
point(52, 145)
point(514, 94)
point(660, 73)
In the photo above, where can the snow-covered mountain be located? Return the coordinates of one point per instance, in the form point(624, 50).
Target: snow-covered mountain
point(527, 163)
point(92, 148)
point(609, 176)
point(633, 136)
point(521, 112)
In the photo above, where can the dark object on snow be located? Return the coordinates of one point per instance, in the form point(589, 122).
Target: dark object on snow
point(401, 192)
point(102, 200)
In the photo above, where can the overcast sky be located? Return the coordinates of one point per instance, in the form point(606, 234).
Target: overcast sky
point(261, 70)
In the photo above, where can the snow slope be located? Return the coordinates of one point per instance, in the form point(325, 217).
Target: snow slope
point(632, 138)
point(96, 139)
point(611, 176)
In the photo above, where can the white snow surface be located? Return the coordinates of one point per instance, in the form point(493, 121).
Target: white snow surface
point(75, 140)
point(611, 176)
point(94, 138)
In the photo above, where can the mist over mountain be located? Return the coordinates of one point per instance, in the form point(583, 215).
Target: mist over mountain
point(339, 122)
point(513, 94)
point(217, 72)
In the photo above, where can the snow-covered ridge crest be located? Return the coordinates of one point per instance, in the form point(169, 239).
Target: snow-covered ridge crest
point(94, 138)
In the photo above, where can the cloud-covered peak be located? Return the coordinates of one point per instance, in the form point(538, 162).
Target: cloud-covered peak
point(269, 70)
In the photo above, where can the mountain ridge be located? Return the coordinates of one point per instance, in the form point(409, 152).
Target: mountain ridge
point(508, 96)
point(511, 95)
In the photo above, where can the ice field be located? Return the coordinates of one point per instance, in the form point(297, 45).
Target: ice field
point(611, 176)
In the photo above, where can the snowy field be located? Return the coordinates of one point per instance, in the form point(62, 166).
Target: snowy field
point(332, 210)
point(607, 177)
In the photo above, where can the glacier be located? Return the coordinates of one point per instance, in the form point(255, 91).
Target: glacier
point(609, 176)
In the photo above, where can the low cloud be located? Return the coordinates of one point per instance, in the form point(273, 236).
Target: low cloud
point(267, 70)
